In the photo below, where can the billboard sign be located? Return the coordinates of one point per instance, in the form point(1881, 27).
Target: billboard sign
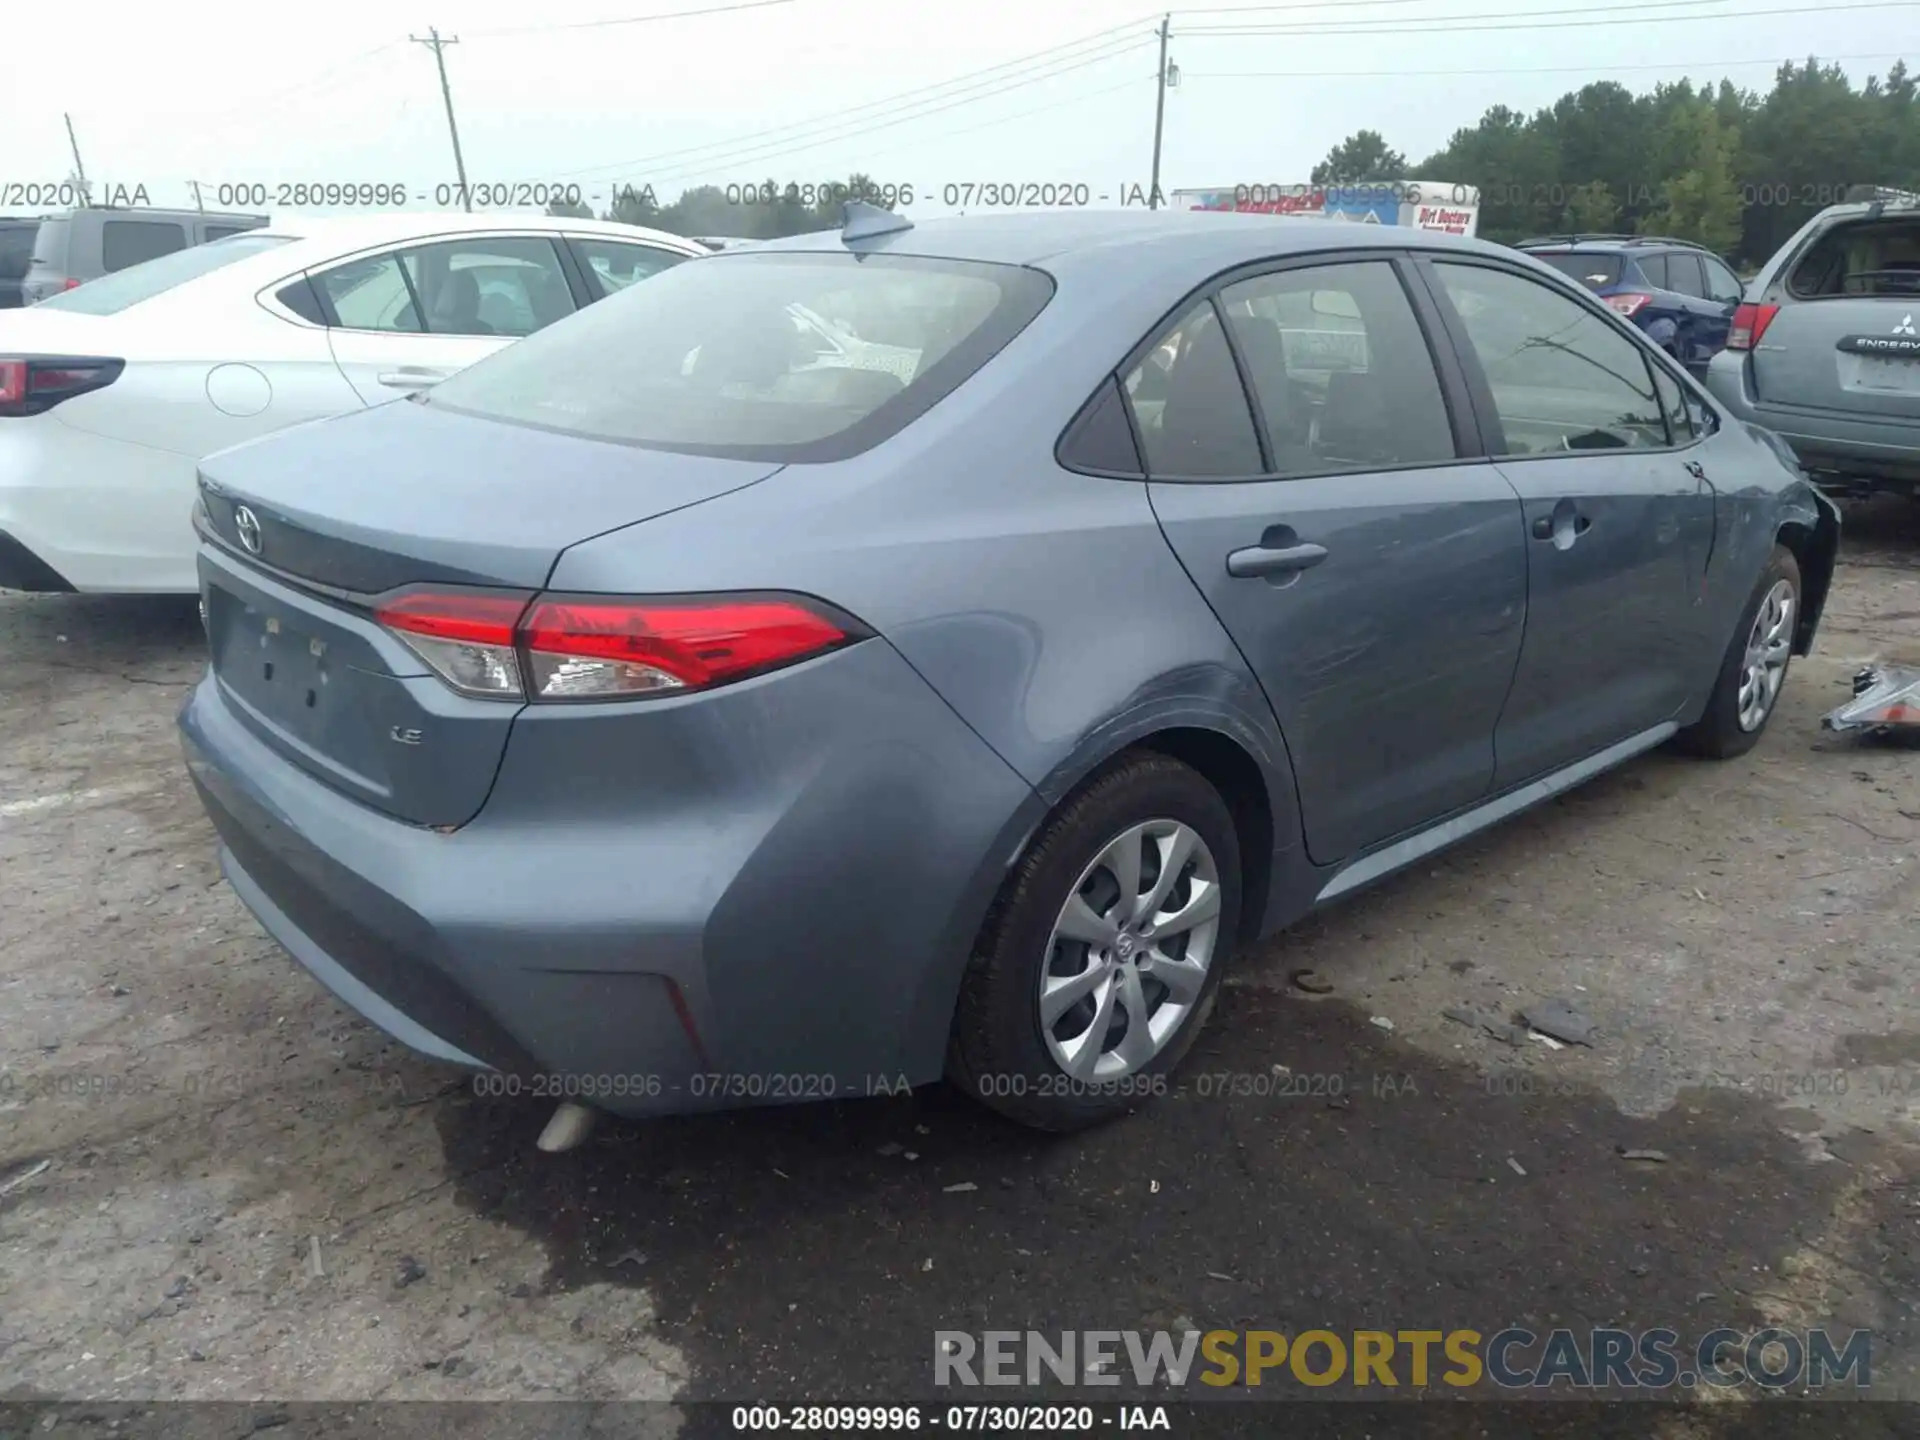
point(1422, 204)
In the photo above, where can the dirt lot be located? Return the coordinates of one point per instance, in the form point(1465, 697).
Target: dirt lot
point(217, 1183)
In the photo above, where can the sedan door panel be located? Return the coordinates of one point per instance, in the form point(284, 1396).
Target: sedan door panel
point(1387, 663)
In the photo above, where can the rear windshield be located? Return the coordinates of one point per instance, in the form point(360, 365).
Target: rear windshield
point(1863, 257)
point(16, 250)
point(782, 356)
point(111, 294)
point(1596, 272)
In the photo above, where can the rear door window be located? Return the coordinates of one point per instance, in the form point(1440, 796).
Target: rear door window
point(613, 265)
point(130, 242)
point(1190, 407)
point(489, 285)
point(1685, 277)
point(722, 358)
point(372, 293)
point(1722, 284)
point(1340, 368)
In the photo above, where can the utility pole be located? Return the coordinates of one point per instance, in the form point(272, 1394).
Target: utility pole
point(79, 170)
point(439, 58)
point(1159, 113)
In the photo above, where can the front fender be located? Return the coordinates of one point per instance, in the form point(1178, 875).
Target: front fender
point(1808, 523)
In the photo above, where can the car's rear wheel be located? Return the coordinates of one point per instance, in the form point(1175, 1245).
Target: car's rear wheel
point(1102, 958)
point(1754, 670)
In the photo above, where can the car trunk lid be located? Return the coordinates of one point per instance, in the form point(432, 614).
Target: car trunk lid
point(314, 523)
point(1855, 354)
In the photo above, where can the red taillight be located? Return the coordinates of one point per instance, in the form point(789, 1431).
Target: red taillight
point(1749, 323)
point(496, 646)
point(71, 285)
point(1628, 304)
point(590, 648)
point(33, 383)
point(467, 637)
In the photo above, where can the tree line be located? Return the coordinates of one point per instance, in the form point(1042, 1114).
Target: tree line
point(1733, 169)
point(762, 211)
point(1736, 170)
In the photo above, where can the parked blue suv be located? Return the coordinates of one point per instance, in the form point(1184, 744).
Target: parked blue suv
point(1681, 294)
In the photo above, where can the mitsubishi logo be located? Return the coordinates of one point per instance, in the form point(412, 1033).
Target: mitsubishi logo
point(1905, 327)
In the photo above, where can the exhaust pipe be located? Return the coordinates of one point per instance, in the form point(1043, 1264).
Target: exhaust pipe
point(569, 1127)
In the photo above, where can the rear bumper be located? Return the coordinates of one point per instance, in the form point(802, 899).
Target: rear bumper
point(1827, 442)
point(766, 894)
point(104, 515)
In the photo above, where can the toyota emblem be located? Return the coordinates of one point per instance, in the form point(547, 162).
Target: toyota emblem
point(248, 524)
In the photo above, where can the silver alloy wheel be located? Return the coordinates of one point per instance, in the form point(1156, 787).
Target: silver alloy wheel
point(1130, 952)
point(1769, 645)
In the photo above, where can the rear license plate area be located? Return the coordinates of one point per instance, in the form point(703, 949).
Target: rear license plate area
point(1881, 374)
point(263, 654)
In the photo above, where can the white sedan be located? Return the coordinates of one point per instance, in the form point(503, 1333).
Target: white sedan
point(111, 393)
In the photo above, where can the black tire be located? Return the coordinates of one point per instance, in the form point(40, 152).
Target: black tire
point(998, 1053)
point(1717, 735)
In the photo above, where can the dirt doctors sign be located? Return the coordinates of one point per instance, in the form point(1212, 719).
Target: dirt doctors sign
point(1421, 204)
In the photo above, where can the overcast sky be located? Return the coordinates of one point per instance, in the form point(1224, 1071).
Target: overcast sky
point(813, 89)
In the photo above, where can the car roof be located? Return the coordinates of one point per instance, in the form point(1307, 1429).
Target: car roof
point(1086, 237)
point(343, 233)
point(1596, 245)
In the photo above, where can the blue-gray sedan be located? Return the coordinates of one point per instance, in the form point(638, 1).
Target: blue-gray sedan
point(939, 649)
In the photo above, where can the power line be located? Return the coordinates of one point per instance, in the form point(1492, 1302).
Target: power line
point(1131, 83)
point(775, 150)
point(629, 19)
point(1513, 70)
point(1407, 28)
point(1100, 45)
point(1287, 27)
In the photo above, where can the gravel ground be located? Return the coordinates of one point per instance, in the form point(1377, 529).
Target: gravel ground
point(216, 1183)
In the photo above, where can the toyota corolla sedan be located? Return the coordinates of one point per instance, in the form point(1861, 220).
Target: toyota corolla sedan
point(657, 710)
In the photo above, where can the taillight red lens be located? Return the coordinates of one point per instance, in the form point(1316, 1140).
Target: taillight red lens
point(71, 285)
point(590, 648)
point(33, 383)
point(465, 637)
point(597, 648)
point(1628, 304)
point(1749, 323)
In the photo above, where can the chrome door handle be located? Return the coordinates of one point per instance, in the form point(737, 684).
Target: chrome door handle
point(412, 379)
point(1258, 560)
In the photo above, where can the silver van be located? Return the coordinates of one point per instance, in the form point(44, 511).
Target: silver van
point(83, 245)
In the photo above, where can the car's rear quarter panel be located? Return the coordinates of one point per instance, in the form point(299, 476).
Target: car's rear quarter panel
point(1044, 605)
